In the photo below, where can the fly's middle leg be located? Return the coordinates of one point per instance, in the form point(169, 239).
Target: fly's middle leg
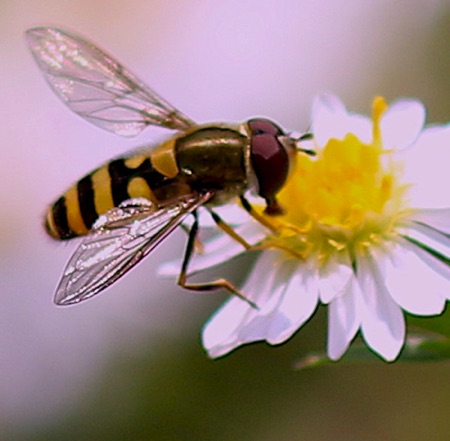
point(207, 286)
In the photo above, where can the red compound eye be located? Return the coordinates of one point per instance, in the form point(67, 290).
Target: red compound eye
point(269, 159)
point(259, 126)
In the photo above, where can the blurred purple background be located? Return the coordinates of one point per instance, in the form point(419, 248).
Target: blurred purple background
point(215, 60)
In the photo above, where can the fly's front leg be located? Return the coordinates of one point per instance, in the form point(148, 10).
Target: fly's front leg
point(208, 286)
point(269, 244)
point(255, 215)
point(229, 230)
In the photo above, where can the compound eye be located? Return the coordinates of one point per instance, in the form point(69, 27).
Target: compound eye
point(258, 126)
point(271, 164)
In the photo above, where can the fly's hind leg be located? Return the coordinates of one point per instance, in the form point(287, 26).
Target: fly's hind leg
point(198, 244)
point(208, 286)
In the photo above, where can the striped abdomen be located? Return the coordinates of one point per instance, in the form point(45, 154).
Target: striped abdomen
point(74, 213)
point(205, 158)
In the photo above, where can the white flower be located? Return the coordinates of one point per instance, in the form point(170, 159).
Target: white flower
point(366, 232)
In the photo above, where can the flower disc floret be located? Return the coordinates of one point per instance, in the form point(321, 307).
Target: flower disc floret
point(346, 198)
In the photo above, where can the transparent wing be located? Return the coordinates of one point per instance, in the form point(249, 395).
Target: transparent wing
point(117, 242)
point(97, 87)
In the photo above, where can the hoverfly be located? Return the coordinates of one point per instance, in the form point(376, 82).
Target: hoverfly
point(126, 207)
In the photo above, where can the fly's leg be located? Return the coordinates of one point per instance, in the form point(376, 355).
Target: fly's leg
point(229, 230)
point(208, 286)
point(255, 215)
point(198, 245)
point(267, 245)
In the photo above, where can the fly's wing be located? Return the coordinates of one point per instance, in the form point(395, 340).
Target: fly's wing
point(97, 87)
point(117, 242)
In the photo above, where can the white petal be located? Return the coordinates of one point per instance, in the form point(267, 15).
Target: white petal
point(415, 286)
point(383, 324)
point(236, 322)
point(343, 319)
point(334, 279)
point(329, 118)
point(219, 334)
point(402, 123)
point(217, 250)
point(426, 166)
point(298, 302)
point(361, 126)
point(170, 269)
point(286, 295)
point(232, 213)
point(438, 266)
point(425, 235)
point(439, 219)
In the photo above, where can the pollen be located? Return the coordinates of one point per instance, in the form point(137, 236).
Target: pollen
point(344, 199)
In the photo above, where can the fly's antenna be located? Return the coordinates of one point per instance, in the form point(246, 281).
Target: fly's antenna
point(305, 137)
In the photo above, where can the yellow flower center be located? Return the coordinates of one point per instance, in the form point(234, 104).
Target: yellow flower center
point(345, 199)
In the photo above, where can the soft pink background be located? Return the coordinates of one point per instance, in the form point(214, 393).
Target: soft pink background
point(216, 60)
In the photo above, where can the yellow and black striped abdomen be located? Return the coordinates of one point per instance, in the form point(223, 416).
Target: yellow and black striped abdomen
point(205, 158)
point(152, 176)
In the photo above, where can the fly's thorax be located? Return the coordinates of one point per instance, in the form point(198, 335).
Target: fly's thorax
point(214, 157)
